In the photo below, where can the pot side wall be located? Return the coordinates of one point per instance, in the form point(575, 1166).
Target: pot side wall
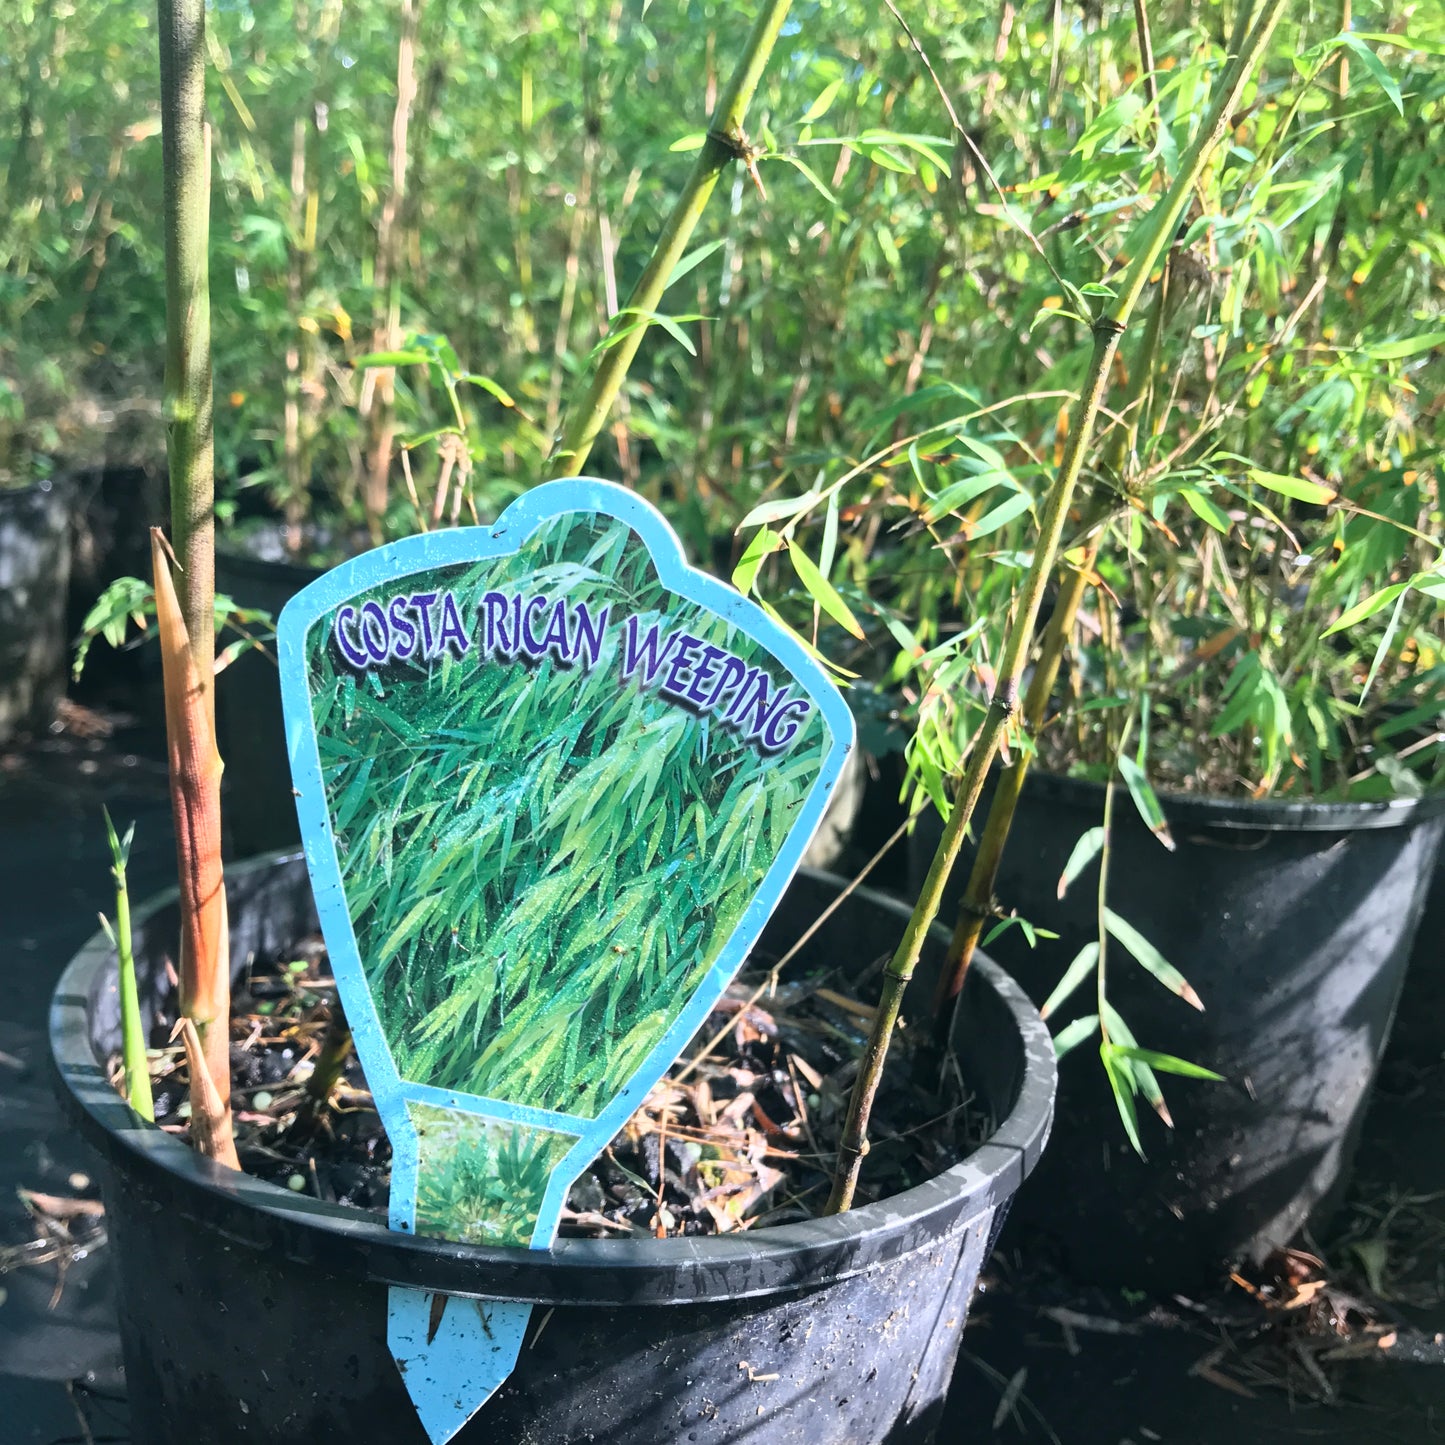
point(1297, 942)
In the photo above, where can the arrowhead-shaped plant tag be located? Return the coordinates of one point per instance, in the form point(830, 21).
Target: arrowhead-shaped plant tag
point(551, 783)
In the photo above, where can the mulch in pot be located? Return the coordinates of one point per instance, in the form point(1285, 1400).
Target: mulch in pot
point(742, 1131)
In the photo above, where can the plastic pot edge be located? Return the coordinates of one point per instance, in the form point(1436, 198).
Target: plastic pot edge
point(1267, 816)
point(259, 1215)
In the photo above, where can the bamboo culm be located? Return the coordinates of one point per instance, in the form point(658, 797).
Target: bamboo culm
point(186, 614)
point(1151, 239)
point(978, 903)
point(726, 142)
point(186, 151)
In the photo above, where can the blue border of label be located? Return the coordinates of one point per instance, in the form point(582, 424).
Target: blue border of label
point(471, 544)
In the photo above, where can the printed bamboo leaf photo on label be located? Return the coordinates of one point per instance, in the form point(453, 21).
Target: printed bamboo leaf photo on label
point(552, 734)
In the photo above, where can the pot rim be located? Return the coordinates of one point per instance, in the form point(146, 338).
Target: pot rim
point(1270, 815)
point(242, 564)
point(601, 1272)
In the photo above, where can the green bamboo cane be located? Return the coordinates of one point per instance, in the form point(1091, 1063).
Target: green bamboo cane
point(186, 618)
point(132, 1035)
point(1152, 236)
point(726, 142)
point(190, 452)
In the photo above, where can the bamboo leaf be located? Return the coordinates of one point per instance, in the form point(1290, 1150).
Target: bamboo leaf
point(1121, 1084)
point(780, 509)
point(821, 105)
point(1407, 346)
point(1295, 487)
point(1090, 844)
point(999, 516)
point(1376, 67)
point(1383, 650)
point(1085, 962)
point(492, 388)
point(694, 259)
point(1167, 1063)
point(960, 494)
point(1145, 800)
point(822, 591)
point(1206, 508)
point(1150, 958)
point(1073, 1034)
point(1375, 602)
point(389, 358)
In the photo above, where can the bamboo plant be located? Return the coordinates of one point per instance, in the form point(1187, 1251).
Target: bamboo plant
point(1144, 466)
point(1153, 235)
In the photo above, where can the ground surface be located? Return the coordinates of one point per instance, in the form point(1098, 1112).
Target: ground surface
point(1118, 1372)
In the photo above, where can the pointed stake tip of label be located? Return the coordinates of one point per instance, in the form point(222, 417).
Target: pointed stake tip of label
point(453, 1362)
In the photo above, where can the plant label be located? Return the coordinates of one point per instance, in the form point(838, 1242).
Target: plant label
point(551, 783)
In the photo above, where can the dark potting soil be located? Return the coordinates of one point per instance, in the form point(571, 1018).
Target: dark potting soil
point(742, 1131)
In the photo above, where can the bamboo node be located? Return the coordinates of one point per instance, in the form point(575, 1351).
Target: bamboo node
point(1006, 697)
point(736, 145)
point(1108, 326)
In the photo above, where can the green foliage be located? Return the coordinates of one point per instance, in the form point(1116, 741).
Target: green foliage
point(479, 1181)
point(542, 862)
point(884, 341)
point(131, 602)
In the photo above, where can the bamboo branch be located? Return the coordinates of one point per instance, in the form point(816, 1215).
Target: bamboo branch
point(1149, 242)
point(726, 142)
point(132, 1033)
point(977, 905)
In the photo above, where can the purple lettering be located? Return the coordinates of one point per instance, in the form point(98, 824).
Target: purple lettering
point(747, 696)
point(644, 652)
point(422, 602)
point(780, 730)
point(349, 650)
point(555, 638)
point(378, 646)
point(535, 604)
point(494, 632)
point(452, 633)
point(703, 674)
point(401, 629)
point(681, 663)
point(589, 634)
point(733, 672)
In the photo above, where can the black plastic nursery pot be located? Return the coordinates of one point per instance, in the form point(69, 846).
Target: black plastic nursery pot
point(260, 811)
point(252, 1314)
point(34, 572)
point(1418, 1037)
point(1294, 923)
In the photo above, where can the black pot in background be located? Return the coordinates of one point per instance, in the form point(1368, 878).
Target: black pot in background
point(259, 811)
point(1418, 1038)
point(116, 506)
point(1294, 923)
point(35, 549)
point(249, 1313)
